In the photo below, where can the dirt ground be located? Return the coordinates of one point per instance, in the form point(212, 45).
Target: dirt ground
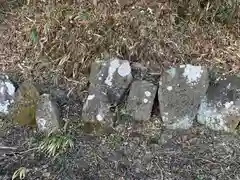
point(129, 154)
point(53, 43)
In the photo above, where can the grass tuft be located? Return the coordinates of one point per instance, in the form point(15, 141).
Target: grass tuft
point(55, 144)
point(19, 174)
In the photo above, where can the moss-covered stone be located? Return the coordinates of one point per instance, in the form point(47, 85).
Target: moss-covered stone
point(23, 111)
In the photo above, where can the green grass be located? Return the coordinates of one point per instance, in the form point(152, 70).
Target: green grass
point(19, 174)
point(55, 144)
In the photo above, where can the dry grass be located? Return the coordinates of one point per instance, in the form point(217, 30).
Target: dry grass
point(56, 42)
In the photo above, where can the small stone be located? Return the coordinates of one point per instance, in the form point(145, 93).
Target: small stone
point(47, 115)
point(7, 93)
point(23, 110)
point(181, 90)
point(141, 99)
point(96, 106)
point(220, 109)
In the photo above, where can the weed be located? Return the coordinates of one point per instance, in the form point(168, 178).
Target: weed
point(55, 144)
point(19, 173)
point(114, 140)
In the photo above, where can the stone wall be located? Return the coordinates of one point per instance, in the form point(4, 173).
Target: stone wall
point(186, 94)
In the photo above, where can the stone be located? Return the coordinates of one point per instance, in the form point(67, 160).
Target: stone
point(140, 100)
point(181, 90)
point(47, 114)
point(7, 93)
point(23, 110)
point(96, 106)
point(138, 71)
point(220, 108)
point(114, 75)
point(98, 69)
point(109, 80)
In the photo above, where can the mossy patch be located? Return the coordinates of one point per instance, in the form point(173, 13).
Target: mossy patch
point(24, 109)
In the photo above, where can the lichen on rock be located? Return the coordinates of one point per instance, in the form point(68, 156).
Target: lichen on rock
point(220, 109)
point(7, 93)
point(23, 110)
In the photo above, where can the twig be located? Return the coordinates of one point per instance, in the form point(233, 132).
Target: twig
point(7, 148)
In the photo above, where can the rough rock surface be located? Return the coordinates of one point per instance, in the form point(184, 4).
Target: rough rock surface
point(114, 75)
point(47, 114)
point(97, 106)
point(108, 82)
point(138, 71)
point(180, 93)
point(141, 99)
point(220, 109)
point(7, 93)
point(23, 110)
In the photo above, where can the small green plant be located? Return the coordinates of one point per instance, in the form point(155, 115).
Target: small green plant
point(115, 140)
point(123, 115)
point(34, 35)
point(19, 173)
point(55, 144)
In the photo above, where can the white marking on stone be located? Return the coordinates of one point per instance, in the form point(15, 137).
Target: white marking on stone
point(6, 88)
point(42, 123)
point(169, 88)
point(182, 66)
point(213, 117)
point(91, 97)
point(2, 89)
point(114, 64)
point(10, 88)
point(145, 100)
point(229, 86)
point(100, 78)
point(4, 107)
point(192, 73)
point(124, 69)
point(147, 93)
point(228, 104)
point(99, 117)
point(172, 72)
point(183, 123)
point(219, 104)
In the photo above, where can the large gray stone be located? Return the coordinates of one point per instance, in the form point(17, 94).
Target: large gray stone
point(114, 75)
point(47, 115)
point(7, 93)
point(109, 80)
point(141, 99)
point(96, 106)
point(220, 109)
point(180, 93)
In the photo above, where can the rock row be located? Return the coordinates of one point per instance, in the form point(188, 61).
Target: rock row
point(25, 106)
point(185, 95)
